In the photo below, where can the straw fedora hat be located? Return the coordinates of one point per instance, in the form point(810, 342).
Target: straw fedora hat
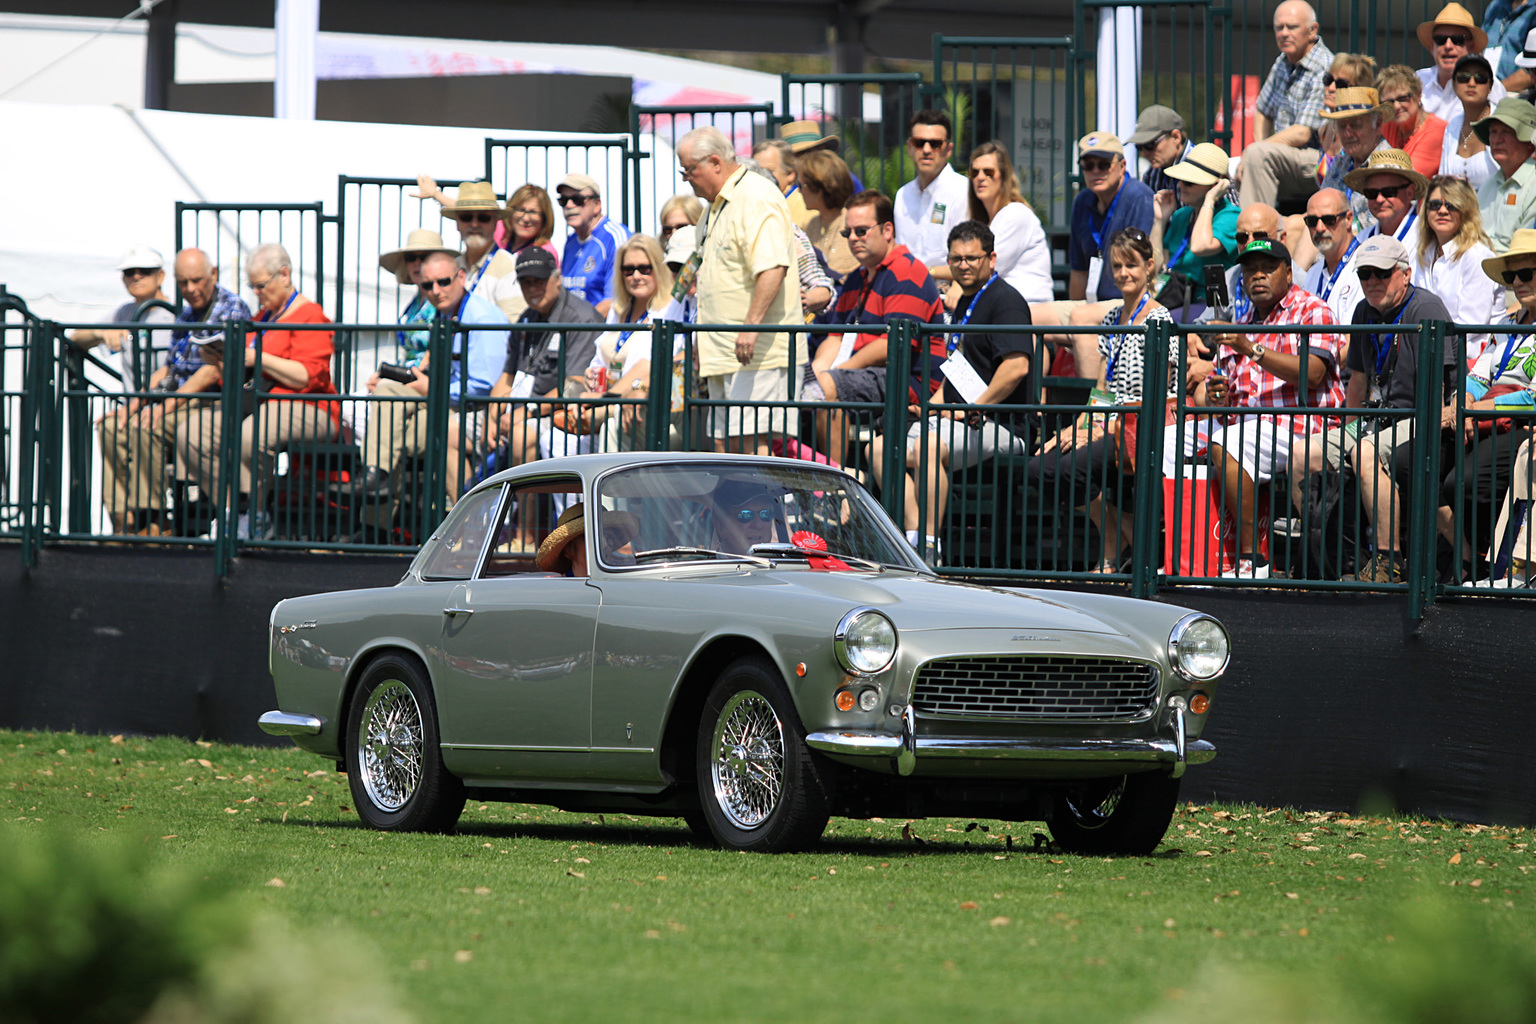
point(474, 196)
point(1388, 161)
point(419, 240)
point(1459, 16)
point(551, 556)
point(1522, 243)
point(804, 136)
point(1357, 101)
point(1206, 164)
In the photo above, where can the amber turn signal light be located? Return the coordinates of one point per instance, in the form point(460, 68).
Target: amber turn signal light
point(800, 670)
point(1199, 703)
point(845, 700)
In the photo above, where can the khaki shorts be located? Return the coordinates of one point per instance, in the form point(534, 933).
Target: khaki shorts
point(748, 386)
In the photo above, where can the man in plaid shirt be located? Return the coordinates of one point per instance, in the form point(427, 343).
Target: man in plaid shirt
point(1264, 371)
point(1284, 153)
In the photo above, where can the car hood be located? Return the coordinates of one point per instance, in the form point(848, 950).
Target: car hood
point(915, 602)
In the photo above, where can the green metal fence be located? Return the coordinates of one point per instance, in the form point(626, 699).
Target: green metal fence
point(230, 232)
point(656, 170)
point(509, 163)
point(874, 147)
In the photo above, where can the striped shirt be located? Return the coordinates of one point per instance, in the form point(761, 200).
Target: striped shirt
point(1253, 387)
point(1293, 93)
point(586, 268)
point(898, 288)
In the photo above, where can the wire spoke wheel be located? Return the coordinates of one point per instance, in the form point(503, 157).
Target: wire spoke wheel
point(748, 760)
point(1128, 815)
point(1090, 814)
point(391, 745)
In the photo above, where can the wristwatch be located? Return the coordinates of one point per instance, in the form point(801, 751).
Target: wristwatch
point(1257, 355)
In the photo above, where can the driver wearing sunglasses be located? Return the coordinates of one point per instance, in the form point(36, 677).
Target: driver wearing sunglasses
point(746, 513)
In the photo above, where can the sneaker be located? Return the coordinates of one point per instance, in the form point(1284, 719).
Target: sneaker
point(931, 554)
point(1247, 570)
point(1382, 568)
point(1287, 528)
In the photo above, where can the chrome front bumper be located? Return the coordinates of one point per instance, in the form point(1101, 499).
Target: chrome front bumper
point(908, 748)
point(281, 723)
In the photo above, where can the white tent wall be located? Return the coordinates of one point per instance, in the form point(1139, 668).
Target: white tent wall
point(85, 183)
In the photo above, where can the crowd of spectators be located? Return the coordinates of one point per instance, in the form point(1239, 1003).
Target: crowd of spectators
point(1366, 196)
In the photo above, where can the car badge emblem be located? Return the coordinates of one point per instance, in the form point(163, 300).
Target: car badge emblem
point(1033, 636)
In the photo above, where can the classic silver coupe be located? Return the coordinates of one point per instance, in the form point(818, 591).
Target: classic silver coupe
point(747, 643)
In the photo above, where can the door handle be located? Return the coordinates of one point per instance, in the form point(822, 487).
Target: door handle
point(455, 612)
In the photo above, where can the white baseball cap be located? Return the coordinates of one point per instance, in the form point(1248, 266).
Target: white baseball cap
point(141, 257)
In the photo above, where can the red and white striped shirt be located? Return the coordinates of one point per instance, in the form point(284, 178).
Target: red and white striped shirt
point(1252, 386)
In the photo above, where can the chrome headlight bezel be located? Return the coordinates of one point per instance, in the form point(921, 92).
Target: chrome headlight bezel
point(1177, 649)
point(847, 653)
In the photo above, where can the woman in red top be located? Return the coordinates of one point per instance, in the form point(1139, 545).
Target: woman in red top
point(292, 363)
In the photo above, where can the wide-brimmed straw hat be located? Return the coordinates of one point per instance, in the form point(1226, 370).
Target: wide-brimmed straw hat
point(1206, 164)
point(573, 523)
point(419, 240)
point(475, 196)
point(804, 136)
point(1356, 101)
point(1453, 14)
point(1522, 243)
point(1388, 161)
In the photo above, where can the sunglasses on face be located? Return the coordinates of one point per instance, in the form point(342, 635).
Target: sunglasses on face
point(1373, 274)
point(1524, 274)
point(643, 269)
point(1337, 80)
point(984, 172)
point(415, 257)
point(1328, 219)
point(523, 213)
point(1095, 166)
point(1436, 205)
point(934, 144)
point(858, 232)
point(1399, 101)
point(578, 199)
point(437, 284)
point(1469, 77)
point(140, 272)
point(1390, 192)
point(1454, 38)
point(478, 218)
point(1147, 147)
point(1243, 237)
point(746, 515)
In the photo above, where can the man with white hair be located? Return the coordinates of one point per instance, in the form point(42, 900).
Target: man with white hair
point(744, 256)
point(1357, 114)
point(1284, 153)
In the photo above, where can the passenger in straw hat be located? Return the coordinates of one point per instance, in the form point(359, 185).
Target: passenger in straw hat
point(1357, 114)
point(565, 549)
point(1449, 36)
point(1392, 189)
point(1508, 199)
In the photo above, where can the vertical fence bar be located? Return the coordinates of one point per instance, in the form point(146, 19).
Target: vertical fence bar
point(658, 409)
point(1429, 384)
point(227, 451)
point(441, 348)
point(904, 335)
point(1145, 551)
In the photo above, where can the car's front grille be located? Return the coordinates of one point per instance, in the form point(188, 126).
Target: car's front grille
point(1036, 687)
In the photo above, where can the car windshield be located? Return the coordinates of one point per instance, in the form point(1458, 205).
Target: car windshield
point(745, 512)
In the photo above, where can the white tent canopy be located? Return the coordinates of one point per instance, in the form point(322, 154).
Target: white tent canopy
point(86, 183)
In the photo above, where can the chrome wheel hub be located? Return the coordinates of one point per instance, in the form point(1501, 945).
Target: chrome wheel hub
point(390, 747)
point(748, 763)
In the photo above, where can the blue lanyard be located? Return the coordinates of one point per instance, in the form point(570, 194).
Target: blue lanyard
point(624, 337)
point(263, 318)
point(1354, 243)
point(1509, 351)
point(1178, 253)
point(1381, 351)
point(486, 265)
point(1109, 370)
point(954, 339)
point(1109, 214)
point(1407, 223)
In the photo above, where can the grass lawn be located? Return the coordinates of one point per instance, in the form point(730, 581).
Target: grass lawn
point(535, 914)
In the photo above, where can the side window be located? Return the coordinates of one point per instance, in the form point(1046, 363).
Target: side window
point(527, 519)
point(455, 548)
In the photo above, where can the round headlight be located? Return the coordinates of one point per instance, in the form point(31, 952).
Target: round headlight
point(865, 641)
point(1198, 647)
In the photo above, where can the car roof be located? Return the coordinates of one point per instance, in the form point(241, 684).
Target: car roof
point(589, 467)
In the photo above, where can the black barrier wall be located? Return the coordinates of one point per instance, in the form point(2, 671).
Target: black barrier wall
point(1334, 701)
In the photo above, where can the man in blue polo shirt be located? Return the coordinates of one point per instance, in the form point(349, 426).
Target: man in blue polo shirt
point(586, 267)
point(1110, 200)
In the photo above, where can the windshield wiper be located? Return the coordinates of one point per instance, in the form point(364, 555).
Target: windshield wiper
point(788, 550)
point(683, 552)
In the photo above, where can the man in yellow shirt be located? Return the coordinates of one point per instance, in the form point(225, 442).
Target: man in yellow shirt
point(746, 247)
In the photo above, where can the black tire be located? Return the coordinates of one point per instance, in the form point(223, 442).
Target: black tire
point(1126, 815)
point(394, 761)
point(759, 787)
